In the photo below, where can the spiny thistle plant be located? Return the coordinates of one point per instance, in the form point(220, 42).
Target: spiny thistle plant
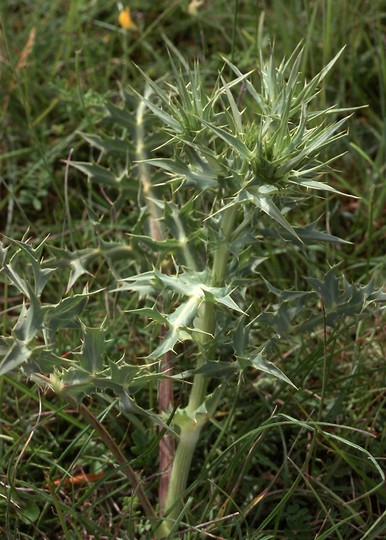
point(231, 166)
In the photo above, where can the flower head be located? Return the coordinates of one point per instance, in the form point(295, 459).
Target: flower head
point(125, 20)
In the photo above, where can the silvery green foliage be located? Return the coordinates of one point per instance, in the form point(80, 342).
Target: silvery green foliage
point(232, 164)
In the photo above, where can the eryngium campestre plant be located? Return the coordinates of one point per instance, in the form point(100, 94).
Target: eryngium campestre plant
point(239, 159)
point(239, 153)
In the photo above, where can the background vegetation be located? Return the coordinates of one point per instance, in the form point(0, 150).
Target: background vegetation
point(61, 62)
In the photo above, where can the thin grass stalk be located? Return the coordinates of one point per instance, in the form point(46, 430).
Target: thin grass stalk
point(125, 466)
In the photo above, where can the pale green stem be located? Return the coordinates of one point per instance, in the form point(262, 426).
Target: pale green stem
point(221, 255)
point(190, 433)
point(181, 466)
point(155, 213)
point(190, 261)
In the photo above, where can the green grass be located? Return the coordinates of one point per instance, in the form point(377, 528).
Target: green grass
point(253, 476)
